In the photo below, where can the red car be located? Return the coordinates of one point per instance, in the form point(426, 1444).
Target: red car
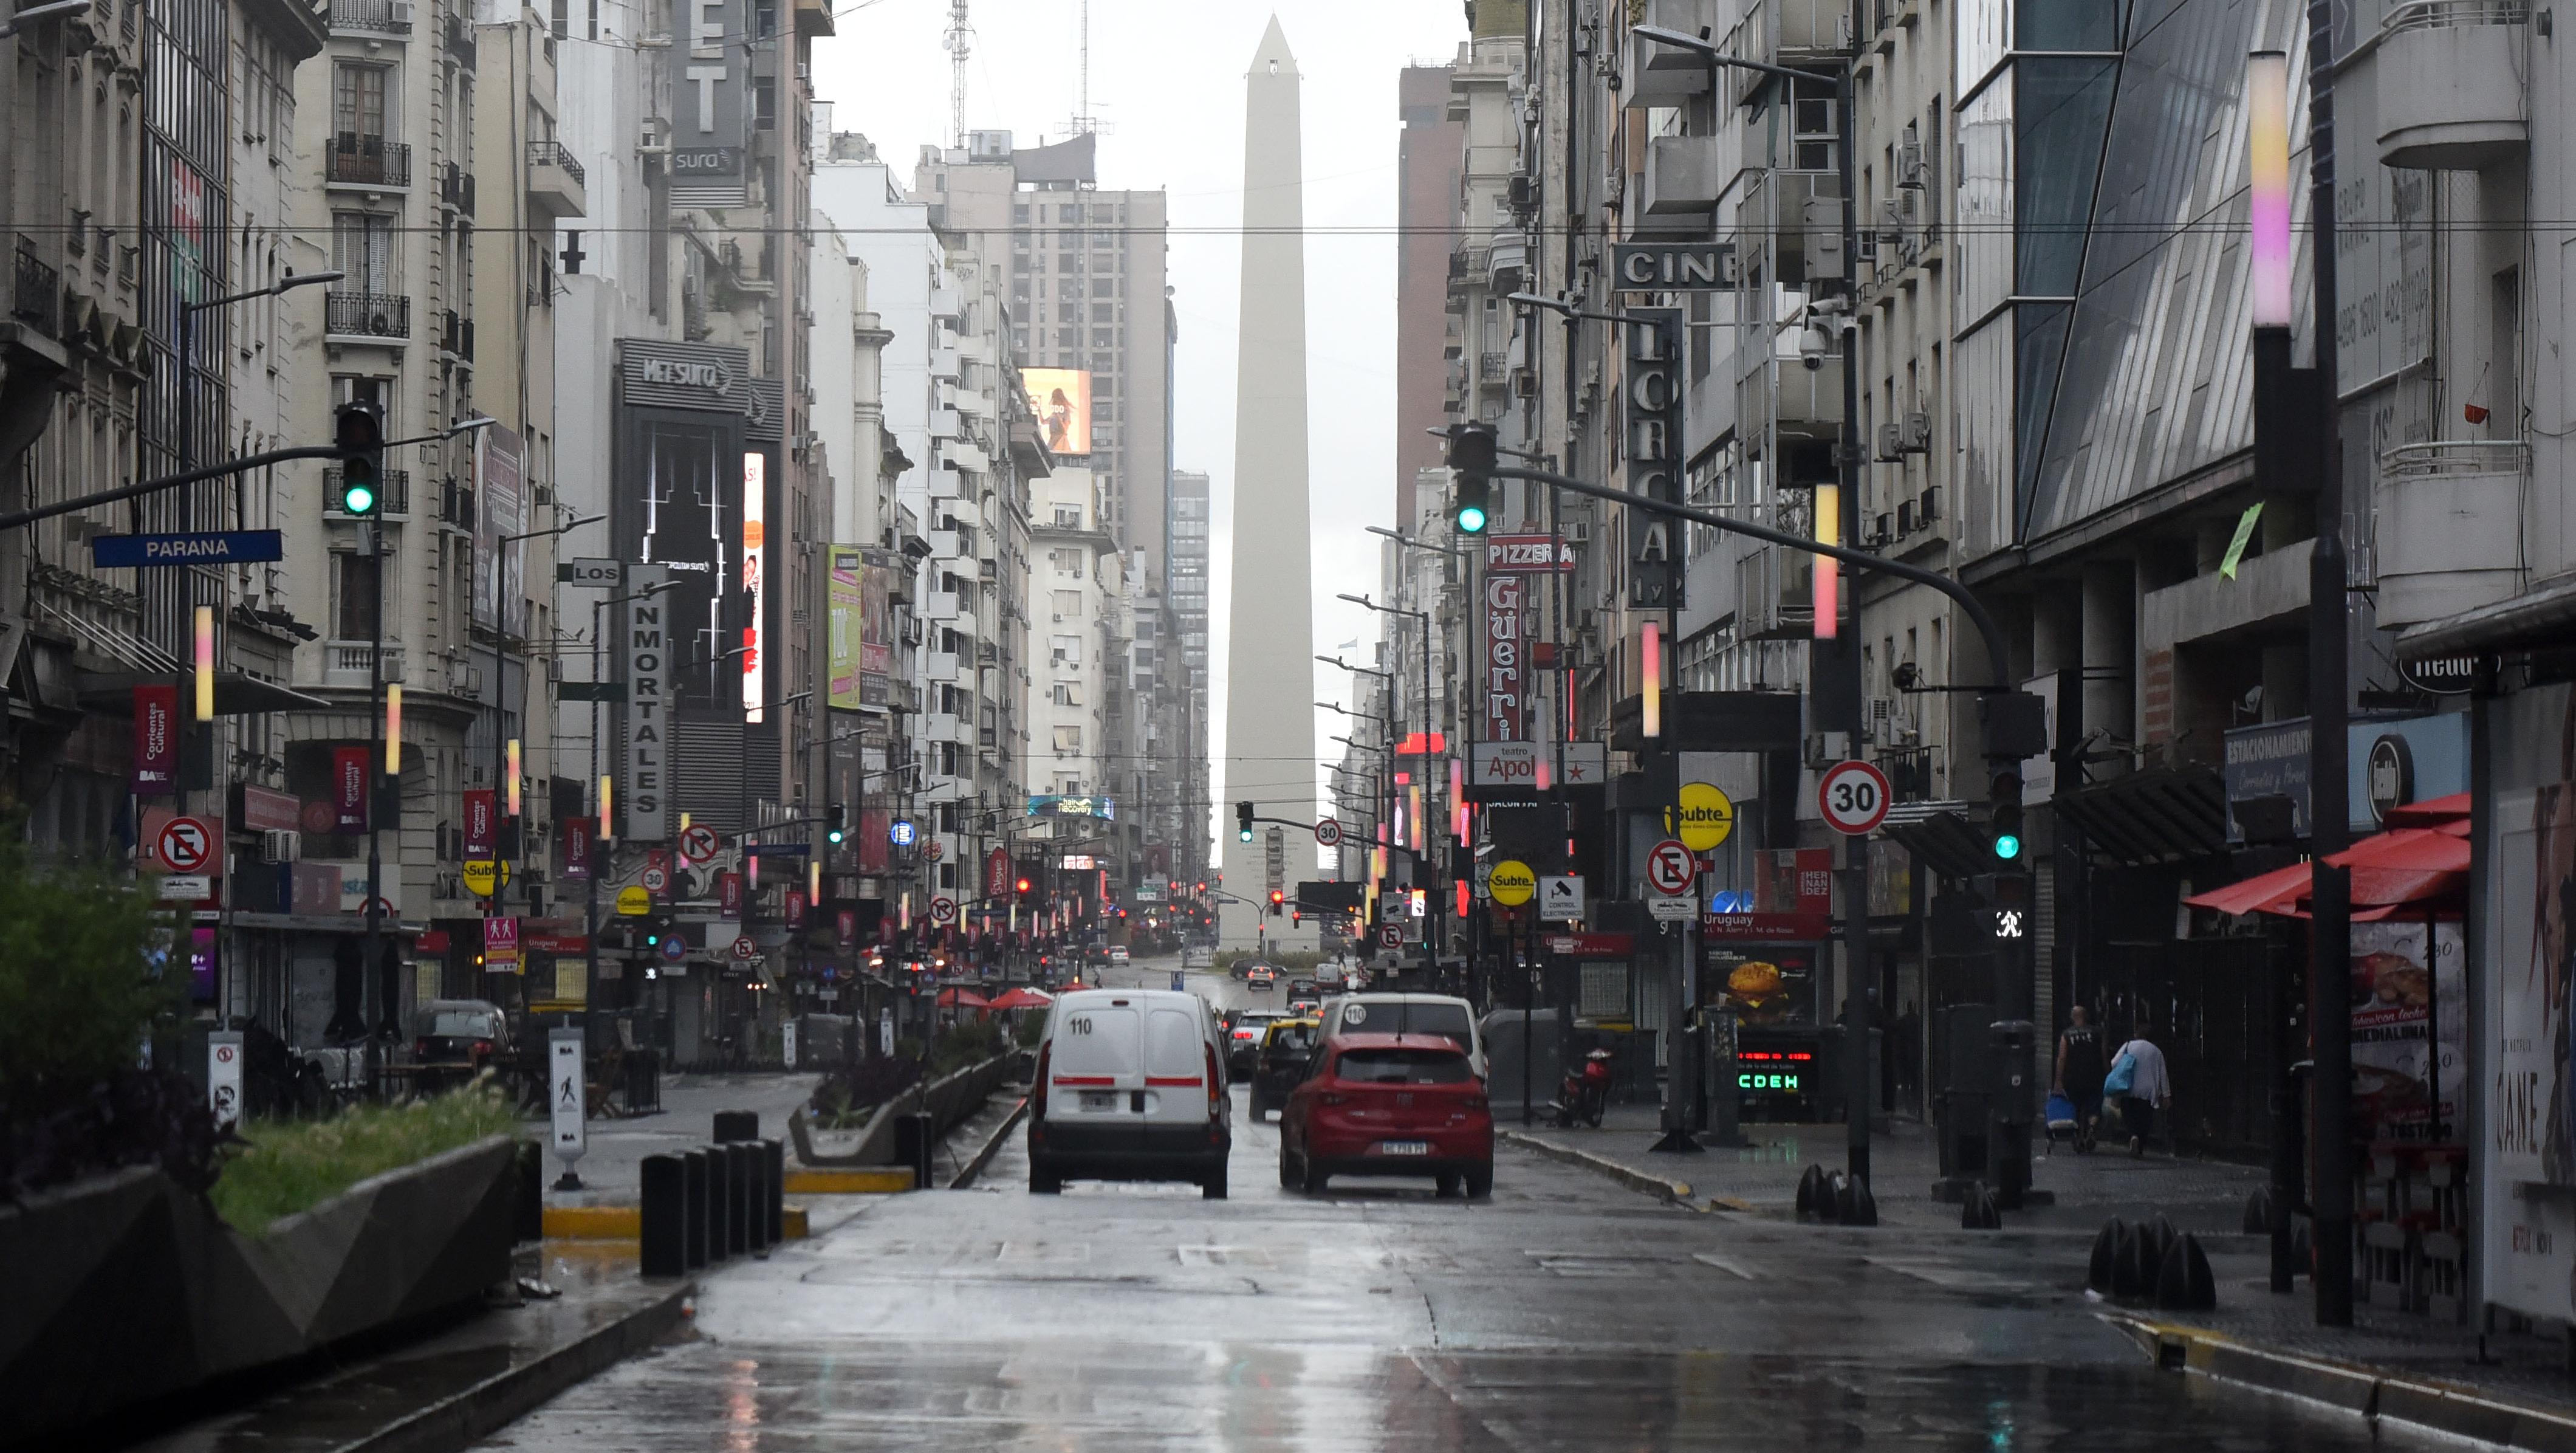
point(1389, 1105)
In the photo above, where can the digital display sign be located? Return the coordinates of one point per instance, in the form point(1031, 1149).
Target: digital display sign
point(1062, 398)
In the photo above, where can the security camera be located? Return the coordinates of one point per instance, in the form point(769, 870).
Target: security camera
point(1812, 347)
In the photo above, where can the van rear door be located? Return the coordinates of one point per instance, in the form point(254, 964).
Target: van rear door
point(1096, 1068)
point(1176, 1079)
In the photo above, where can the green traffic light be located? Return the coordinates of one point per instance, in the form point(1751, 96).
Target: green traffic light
point(1471, 520)
point(835, 836)
point(2008, 846)
point(357, 499)
point(1244, 836)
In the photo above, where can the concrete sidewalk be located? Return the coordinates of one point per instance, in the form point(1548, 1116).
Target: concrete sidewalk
point(612, 1168)
point(2196, 1195)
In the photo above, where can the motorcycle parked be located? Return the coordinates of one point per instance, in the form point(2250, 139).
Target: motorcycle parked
point(1585, 1095)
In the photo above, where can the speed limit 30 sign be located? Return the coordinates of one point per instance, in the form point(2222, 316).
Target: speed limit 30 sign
point(1853, 797)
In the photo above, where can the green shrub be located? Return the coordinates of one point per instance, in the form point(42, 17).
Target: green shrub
point(77, 995)
point(969, 1041)
point(290, 1166)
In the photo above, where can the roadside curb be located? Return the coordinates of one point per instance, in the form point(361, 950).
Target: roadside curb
point(2351, 1387)
point(1677, 1193)
point(458, 1422)
point(993, 1143)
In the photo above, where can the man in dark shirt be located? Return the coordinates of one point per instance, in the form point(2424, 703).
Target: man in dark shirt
point(2080, 1067)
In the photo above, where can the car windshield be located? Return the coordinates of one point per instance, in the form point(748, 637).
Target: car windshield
point(1404, 1067)
point(459, 1024)
point(1293, 1038)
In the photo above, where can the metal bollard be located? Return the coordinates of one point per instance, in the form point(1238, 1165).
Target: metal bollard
point(773, 1155)
point(748, 1196)
point(734, 1125)
point(528, 1193)
point(913, 1144)
point(666, 1216)
point(693, 1235)
point(733, 1241)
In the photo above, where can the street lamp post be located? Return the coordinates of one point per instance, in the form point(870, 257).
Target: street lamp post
point(1387, 725)
point(1431, 918)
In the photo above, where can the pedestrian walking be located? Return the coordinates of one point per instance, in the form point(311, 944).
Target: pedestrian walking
point(2080, 1068)
point(2137, 1078)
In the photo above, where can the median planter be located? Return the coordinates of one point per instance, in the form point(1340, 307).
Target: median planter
point(948, 1099)
point(127, 1288)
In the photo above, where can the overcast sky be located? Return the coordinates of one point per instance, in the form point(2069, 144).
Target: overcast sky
point(1167, 85)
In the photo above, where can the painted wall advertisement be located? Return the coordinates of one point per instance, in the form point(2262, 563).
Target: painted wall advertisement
point(2400, 1007)
point(848, 571)
point(862, 626)
point(2528, 1236)
point(643, 793)
point(500, 511)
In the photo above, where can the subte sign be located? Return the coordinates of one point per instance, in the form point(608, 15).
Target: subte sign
point(1853, 797)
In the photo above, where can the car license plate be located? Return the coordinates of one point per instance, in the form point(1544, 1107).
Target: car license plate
point(1404, 1147)
point(1100, 1099)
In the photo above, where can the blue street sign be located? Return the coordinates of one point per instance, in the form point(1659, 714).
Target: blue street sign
point(208, 547)
point(1177, 985)
point(781, 850)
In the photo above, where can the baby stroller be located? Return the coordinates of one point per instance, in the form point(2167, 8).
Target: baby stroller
point(2064, 1125)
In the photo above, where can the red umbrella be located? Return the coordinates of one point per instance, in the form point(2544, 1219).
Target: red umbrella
point(1023, 998)
point(962, 999)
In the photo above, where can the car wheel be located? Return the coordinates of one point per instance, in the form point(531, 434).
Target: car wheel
point(1480, 1183)
point(1450, 1186)
point(1289, 1177)
point(1044, 1182)
point(1213, 1188)
point(1310, 1180)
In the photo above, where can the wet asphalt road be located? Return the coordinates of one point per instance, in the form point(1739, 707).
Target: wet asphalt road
point(1564, 1313)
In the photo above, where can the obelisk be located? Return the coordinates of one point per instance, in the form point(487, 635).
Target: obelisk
point(1270, 637)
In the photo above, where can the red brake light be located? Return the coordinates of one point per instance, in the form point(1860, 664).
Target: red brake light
point(420, 1049)
point(1215, 1084)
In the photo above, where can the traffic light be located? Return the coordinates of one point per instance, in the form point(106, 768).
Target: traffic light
point(653, 930)
point(2003, 816)
point(1278, 901)
point(1020, 885)
point(836, 825)
point(1243, 822)
point(360, 436)
point(1471, 460)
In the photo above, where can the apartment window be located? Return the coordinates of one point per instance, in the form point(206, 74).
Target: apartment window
point(362, 245)
point(1069, 212)
point(1020, 218)
point(1066, 650)
point(1068, 605)
point(1104, 312)
point(1067, 693)
point(358, 100)
point(1068, 517)
point(354, 596)
point(1068, 739)
point(764, 103)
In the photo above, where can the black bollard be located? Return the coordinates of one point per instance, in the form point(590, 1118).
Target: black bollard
point(721, 1236)
point(528, 1193)
point(666, 1216)
point(2106, 1248)
point(732, 1125)
point(693, 1164)
point(750, 1198)
point(773, 1178)
point(2184, 1283)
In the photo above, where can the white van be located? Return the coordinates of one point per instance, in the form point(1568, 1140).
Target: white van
point(1130, 1085)
point(1445, 1015)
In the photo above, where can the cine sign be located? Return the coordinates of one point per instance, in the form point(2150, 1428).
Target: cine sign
point(1675, 266)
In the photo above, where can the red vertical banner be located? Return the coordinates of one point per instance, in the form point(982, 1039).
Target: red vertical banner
point(480, 805)
point(729, 894)
point(349, 787)
point(1503, 666)
point(849, 927)
point(795, 908)
point(156, 739)
point(576, 847)
point(997, 873)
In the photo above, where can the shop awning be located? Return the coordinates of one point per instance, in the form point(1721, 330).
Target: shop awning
point(1023, 997)
point(2391, 870)
point(962, 999)
point(2160, 815)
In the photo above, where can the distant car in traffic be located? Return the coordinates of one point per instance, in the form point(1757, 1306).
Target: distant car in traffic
point(456, 1039)
point(1262, 978)
point(1389, 1104)
point(1243, 1040)
point(1130, 1085)
point(1118, 953)
point(1287, 1051)
point(1392, 1013)
point(1305, 1008)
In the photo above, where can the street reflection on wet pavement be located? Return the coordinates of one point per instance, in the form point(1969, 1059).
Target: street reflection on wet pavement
point(1566, 1312)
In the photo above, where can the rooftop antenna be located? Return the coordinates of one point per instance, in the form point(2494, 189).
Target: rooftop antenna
point(1083, 121)
point(959, 42)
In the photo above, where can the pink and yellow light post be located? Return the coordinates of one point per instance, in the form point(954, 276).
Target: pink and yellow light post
point(2267, 137)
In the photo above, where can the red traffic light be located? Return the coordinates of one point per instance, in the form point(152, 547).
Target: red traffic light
point(1022, 885)
point(1277, 896)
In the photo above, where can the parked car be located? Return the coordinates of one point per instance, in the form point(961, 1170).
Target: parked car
point(1287, 1051)
point(1389, 1104)
point(1388, 1013)
point(1243, 1040)
point(455, 1039)
point(1130, 1085)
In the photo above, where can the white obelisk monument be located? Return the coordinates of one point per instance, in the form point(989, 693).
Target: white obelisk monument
point(1270, 639)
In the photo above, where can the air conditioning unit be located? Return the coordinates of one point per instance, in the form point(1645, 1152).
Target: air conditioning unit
point(401, 13)
point(389, 665)
point(1887, 444)
point(651, 139)
point(1881, 720)
point(1909, 164)
point(1928, 509)
point(1916, 434)
point(1891, 220)
point(281, 845)
point(1907, 204)
point(1905, 519)
point(1578, 532)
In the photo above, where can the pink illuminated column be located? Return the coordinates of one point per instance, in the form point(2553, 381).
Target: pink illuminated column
point(2267, 140)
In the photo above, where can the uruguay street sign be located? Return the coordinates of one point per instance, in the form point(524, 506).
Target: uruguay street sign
point(205, 547)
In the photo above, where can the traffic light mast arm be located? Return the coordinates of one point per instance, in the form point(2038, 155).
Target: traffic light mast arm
point(245, 463)
point(1999, 660)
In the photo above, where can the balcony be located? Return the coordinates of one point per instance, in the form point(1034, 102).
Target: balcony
point(1684, 175)
point(456, 188)
point(35, 291)
point(393, 495)
point(456, 336)
point(556, 183)
point(2462, 104)
point(1774, 594)
point(371, 17)
point(366, 317)
point(940, 666)
point(1787, 33)
point(2448, 523)
point(370, 163)
point(456, 33)
point(1662, 75)
point(350, 665)
point(456, 503)
point(939, 605)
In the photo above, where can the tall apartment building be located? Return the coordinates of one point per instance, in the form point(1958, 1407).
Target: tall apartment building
point(1186, 586)
point(1429, 152)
